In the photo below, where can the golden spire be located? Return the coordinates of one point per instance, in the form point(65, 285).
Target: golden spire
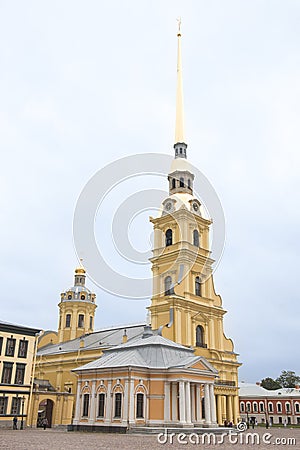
point(179, 127)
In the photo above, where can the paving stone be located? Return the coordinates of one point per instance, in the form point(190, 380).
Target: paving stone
point(51, 439)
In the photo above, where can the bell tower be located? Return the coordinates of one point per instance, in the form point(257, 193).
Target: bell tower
point(76, 309)
point(184, 305)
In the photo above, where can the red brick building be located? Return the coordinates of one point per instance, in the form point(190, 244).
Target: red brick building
point(281, 406)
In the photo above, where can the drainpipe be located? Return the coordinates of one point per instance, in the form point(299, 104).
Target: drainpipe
point(168, 325)
point(30, 407)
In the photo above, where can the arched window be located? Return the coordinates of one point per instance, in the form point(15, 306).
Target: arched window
point(118, 404)
point(91, 322)
point(261, 407)
point(198, 286)
point(200, 336)
point(169, 290)
point(173, 183)
point(139, 406)
point(248, 407)
point(81, 321)
point(288, 407)
point(254, 407)
point(101, 403)
point(181, 182)
point(242, 407)
point(270, 407)
point(279, 408)
point(86, 401)
point(68, 320)
point(196, 238)
point(297, 407)
point(169, 239)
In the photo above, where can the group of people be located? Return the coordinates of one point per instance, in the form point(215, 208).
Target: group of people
point(228, 424)
point(15, 423)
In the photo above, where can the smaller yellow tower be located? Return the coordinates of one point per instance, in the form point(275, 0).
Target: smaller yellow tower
point(76, 309)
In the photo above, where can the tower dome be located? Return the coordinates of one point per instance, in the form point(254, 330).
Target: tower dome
point(76, 308)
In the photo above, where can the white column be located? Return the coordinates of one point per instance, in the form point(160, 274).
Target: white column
point(167, 402)
point(181, 402)
point(92, 411)
point(77, 407)
point(174, 402)
point(193, 399)
point(188, 401)
point(131, 401)
point(212, 404)
point(198, 403)
point(207, 404)
point(108, 411)
point(126, 395)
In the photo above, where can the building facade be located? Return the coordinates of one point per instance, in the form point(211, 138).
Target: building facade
point(184, 309)
point(278, 407)
point(150, 381)
point(73, 345)
point(17, 354)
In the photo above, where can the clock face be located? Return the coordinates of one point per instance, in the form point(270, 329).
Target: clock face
point(169, 206)
point(195, 206)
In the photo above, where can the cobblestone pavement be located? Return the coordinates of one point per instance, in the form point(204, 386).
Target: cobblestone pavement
point(32, 439)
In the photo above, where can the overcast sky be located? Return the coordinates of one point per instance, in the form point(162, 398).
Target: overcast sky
point(85, 83)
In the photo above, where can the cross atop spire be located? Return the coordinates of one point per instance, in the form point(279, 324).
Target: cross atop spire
point(180, 150)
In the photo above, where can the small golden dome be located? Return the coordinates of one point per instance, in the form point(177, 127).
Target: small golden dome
point(80, 270)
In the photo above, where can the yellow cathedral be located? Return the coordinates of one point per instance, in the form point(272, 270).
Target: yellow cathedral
point(184, 307)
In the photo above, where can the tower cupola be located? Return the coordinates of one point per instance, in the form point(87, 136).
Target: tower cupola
point(76, 308)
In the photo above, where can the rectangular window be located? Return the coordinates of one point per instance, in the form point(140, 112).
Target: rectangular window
point(20, 373)
point(23, 347)
point(6, 373)
point(80, 321)
point(118, 405)
point(3, 405)
point(86, 401)
point(101, 403)
point(68, 320)
point(1, 342)
point(15, 406)
point(10, 347)
point(140, 406)
point(91, 322)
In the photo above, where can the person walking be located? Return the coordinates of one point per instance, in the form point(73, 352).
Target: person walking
point(15, 423)
point(45, 423)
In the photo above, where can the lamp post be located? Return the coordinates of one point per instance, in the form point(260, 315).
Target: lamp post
point(22, 411)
